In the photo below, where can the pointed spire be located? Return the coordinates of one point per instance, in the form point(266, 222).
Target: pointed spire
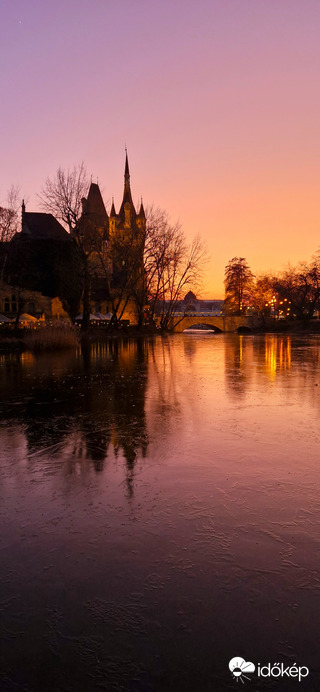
point(141, 211)
point(127, 198)
point(23, 212)
point(112, 210)
point(126, 170)
point(126, 174)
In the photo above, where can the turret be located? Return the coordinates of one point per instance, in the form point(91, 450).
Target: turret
point(127, 211)
point(112, 210)
point(23, 211)
point(112, 219)
point(141, 218)
point(141, 210)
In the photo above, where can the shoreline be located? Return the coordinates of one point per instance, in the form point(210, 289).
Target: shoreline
point(25, 340)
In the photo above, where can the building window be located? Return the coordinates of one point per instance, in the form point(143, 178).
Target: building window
point(127, 219)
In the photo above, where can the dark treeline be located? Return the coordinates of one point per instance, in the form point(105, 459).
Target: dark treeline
point(292, 293)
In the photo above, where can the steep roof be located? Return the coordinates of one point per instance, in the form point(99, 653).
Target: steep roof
point(94, 205)
point(94, 217)
point(40, 226)
point(112, 210)
point(141, 211)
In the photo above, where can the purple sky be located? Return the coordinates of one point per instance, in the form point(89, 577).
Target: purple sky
point(218, 102)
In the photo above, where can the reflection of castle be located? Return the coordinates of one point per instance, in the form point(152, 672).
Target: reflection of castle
point(94, 408)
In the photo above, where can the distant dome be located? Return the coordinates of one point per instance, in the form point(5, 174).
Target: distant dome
point(189, 297)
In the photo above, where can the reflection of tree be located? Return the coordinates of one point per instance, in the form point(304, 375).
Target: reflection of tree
point(85, 405)
point(165, 392)
point(190, 347)
point(128, 419)
point(238, 358)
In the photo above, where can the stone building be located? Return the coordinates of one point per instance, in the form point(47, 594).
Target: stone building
point(126, 241)
point(115, 245)
point(38, 230)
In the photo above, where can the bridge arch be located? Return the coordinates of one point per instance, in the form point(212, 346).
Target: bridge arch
point(222, 323)
point(202, 327)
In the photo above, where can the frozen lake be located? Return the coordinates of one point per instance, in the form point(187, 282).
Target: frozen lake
point(160, 514)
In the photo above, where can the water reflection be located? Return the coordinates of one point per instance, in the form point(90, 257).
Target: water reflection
point(103, 398)
point(238, 358)
point(162, 498)
point(277, 354)
point(78, 405)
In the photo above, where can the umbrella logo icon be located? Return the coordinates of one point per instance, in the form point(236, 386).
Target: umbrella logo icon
point(239, 668)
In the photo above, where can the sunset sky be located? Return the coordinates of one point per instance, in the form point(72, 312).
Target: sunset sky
point(217, 101)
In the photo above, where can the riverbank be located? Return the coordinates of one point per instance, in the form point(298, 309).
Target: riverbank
point(290, 326)
point(55, 338)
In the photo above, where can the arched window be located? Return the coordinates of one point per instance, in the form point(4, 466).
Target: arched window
point(127, 218)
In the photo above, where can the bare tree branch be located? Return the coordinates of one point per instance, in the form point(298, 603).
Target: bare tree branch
point(62, 195)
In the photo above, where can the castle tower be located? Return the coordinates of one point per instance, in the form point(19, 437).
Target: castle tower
point(127, 222)
point(115, 247)
point(127, 238)
point(94, 222)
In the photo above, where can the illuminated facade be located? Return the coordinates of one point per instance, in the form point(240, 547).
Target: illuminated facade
point(116, 258)
point(112, 246)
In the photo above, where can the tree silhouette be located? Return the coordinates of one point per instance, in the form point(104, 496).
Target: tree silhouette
point(62, 196)
point(238, 285)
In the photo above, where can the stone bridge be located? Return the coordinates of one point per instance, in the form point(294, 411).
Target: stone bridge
point(222, 323)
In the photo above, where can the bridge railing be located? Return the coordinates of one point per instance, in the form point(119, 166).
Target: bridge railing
point(198, 314)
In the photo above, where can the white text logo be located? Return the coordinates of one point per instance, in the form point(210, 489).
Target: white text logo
point(240, 668)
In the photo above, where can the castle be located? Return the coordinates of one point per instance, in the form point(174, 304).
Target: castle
point(116, 245)
point(112, 246)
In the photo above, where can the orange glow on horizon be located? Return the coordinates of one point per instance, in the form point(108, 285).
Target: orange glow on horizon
point(218, 104)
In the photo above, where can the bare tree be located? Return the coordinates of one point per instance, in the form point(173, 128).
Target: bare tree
point(238, 285)
point(300, 287)
point(161, 237)
point(62, 196)
point(9, 224)
point(263, 295)
point(122, 267)
point(185, 271)
point(9, 214)
point(171, 264)
point(156, 269)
